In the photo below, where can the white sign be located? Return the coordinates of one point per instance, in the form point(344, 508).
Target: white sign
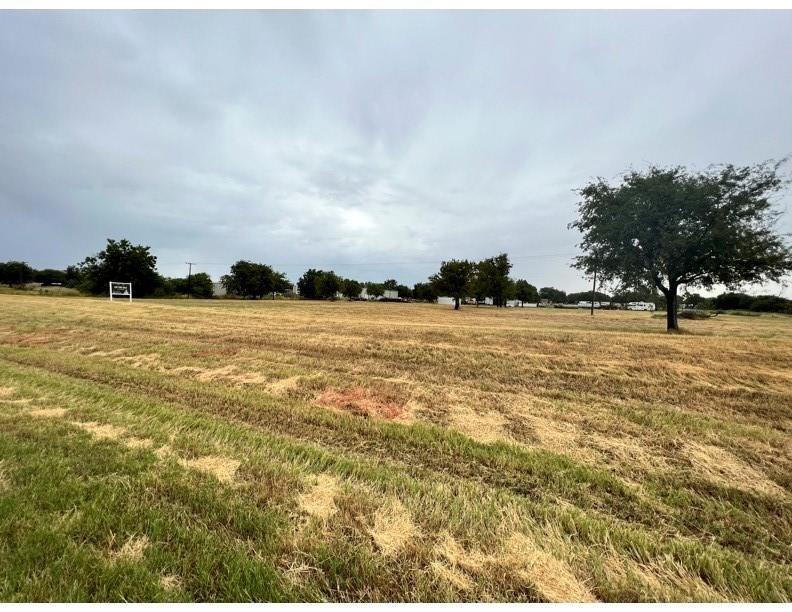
point(120, 290)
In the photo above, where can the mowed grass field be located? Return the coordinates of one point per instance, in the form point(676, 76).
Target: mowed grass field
point(222, 450)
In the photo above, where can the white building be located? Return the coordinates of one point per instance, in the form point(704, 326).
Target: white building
point(445, 301)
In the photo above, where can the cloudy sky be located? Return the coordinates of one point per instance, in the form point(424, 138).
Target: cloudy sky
point(375, 144)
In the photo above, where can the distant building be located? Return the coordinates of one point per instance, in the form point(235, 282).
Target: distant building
point(218, 290)
point(445, 300)
point(390, 294)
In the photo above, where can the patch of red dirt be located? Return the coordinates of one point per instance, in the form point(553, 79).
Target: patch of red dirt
point(361, 402)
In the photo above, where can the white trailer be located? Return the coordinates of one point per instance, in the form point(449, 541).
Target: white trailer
point(641, 306)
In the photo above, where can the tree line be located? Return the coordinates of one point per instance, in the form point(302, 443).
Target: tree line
point(656, 231)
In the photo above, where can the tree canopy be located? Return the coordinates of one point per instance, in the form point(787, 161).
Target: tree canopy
point(525, 292)
point(454, 279)
point(253, 280)
point(492, 279)
point(554, 295)
point(15, 273)
point(123, 262)
point(671, 227)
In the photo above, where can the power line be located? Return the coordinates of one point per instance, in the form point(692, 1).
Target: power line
point(374, 263)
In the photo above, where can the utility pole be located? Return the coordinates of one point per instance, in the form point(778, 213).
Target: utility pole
point(593, 291)
point(189, 278)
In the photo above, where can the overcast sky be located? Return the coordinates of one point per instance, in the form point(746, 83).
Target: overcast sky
point(375, 144)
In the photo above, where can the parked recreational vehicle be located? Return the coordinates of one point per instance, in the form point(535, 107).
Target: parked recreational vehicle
point(641, 306)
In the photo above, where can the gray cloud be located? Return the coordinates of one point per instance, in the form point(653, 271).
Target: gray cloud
point(374, 143)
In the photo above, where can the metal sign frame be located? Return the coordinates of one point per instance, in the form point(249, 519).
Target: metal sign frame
point(116, 289)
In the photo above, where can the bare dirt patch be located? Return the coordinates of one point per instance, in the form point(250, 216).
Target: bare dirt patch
point(361, 402)
point(319, 501)
point(724, 468)
point(222, 468)
point(393, 528)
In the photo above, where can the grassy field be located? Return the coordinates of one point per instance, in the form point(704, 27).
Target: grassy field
point(350, 451)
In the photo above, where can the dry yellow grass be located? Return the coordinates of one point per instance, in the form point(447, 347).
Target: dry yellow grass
point(47, 413)
point(543, 455)
point(222, 468)
point(319, 500)
point(393, 528)
point(132, 550)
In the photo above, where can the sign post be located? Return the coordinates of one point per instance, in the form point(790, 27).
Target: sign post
point(120, 290)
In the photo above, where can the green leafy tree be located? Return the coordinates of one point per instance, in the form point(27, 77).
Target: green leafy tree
point(280, 284)
point(49, 276)
point(249, 280)
point(492, 278)
point(671, 227)
point(525, 292)
point(454, 279)
point(351, 288)
point(390, 284)
point(121, 261)
point(308, 284)
point(585, 296)
point(329, 284)
point(404, 291)
point(556, 296)
point(16, 273)
point(733, 301)
point(424, 292)
point(201, 286)
point(375, 289)
point(74, 276)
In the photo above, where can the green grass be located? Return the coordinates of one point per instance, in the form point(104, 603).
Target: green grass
point(630, 506)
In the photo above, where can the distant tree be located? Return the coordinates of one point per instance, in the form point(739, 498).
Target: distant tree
point(525, 292)
point(556, 296)
point(375, 289)
point(671, 227)
point(49, 276)
point(351, 288)
point(74, 276)
point(249, 280)
point(694, 300)
point(308, 284)
point(492, 277)
point(585, 296)
point(202, 286)
point(733, 301)
point(329, 284)
point(454, 279)
point(424, 292)
point(771, 303)
point(280, 284)
point(390, 284)
point(123, 262)
point(16, 273)
point(404, 292)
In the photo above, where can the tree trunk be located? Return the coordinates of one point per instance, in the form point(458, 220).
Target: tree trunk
point(671, 309)
point(456, 303)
